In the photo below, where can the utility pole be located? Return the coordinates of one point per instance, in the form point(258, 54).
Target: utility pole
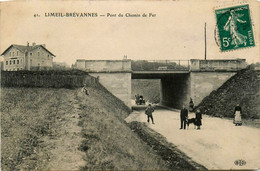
point(205, 42)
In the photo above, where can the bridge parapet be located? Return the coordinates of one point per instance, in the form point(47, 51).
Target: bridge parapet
point(217, 65)
point(160, 65)
point(104, 65)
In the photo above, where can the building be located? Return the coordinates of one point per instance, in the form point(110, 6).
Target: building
point(1, 65)
point(20, 57)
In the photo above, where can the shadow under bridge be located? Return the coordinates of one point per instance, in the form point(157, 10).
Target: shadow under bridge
point(175, 84)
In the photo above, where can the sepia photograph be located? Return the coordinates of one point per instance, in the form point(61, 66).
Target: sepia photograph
point(130, 85)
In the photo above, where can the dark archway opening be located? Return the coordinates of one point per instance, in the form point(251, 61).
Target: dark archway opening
point(173, 91)
point(150, 89)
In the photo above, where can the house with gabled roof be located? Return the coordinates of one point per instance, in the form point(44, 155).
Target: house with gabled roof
point(26, 57)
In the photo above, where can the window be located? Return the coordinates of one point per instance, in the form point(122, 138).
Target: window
point(17, 69)
point(38, 53)
point(14, 62)
point(6, 62)
point(17, 61)
point(31, 54)
point(21, 61)
point(17, 53)
point(10, 53)
point(10, 62)
point(13, 53)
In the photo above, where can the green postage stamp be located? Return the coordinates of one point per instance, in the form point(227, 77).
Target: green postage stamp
point(234, 27)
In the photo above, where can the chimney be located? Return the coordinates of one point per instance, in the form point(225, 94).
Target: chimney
point(33, 44)
point(27, 44)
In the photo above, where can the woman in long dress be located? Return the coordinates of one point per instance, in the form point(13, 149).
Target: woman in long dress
point(237, 112)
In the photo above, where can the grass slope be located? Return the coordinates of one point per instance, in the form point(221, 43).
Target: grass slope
point(35, 123)
point(109, 143)
point(28, 114)
point(243, 88)
point(169, 152)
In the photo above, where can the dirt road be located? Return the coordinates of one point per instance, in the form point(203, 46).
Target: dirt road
point(216, 146)
point(63, 147)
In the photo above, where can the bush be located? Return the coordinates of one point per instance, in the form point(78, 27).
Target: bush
point(243, 88)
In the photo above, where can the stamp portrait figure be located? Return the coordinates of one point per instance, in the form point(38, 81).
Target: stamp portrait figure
point(231, 25)
point(234, 28)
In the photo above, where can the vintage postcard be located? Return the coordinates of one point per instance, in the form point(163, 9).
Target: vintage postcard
point(130, 85)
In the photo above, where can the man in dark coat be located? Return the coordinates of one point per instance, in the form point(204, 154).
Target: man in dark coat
point(184, 117)
point(149, 112)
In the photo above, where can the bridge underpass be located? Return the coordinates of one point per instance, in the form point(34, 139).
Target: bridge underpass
point(179, 81)
point(175, 86)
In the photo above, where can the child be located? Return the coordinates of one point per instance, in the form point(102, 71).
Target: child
point(84, 90)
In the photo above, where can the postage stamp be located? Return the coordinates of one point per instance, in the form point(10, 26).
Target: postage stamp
point(234, 27)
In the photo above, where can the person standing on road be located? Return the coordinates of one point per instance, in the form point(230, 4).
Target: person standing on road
point(149, 112)
point(191, 105)
point(137, 99)
point(238, 112)
point(184, 117)
point(198, 118)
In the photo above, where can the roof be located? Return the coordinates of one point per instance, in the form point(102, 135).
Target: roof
point(26, 48)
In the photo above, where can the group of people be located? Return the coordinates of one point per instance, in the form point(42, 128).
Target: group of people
point(139, 99)
point(198, 116)
point(184, 118)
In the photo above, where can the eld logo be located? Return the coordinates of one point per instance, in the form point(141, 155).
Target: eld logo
point(240, 162)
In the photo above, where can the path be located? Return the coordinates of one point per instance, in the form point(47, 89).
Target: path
point(64, 146)
point(216, 146)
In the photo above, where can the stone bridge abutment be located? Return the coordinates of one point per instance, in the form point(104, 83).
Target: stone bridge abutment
point(177, 86)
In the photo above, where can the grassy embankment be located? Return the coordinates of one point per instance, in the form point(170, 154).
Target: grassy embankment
point(176, 159)
point(109, 143)
point(34, 121)
point(243, 88)
point(28, 114)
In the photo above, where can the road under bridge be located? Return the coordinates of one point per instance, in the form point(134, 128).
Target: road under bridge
point(217, 145)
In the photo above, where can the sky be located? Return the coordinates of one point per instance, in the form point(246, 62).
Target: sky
point(175, 32)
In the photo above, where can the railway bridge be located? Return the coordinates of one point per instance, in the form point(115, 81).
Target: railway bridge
point(180, 79)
